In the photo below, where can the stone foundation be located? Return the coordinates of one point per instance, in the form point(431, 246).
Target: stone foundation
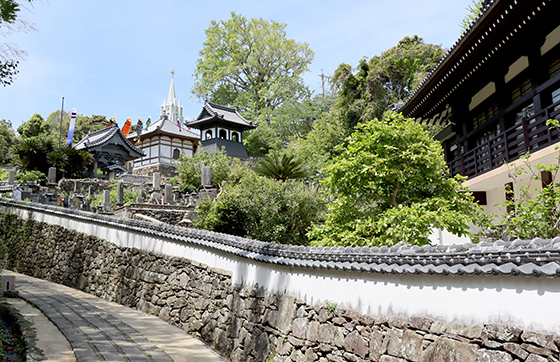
point(249, 323)
point(164, 170)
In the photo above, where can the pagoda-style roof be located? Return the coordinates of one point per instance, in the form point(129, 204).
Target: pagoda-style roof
point(163, 126)
point(488, 41)
point(97, 140)
point(216, 115)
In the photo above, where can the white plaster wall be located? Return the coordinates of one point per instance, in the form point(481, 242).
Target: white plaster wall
point(529, 303)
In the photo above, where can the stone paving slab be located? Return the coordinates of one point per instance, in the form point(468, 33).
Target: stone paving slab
point(99, 330)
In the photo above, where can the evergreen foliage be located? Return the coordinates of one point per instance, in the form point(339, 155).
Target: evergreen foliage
point(390, 184)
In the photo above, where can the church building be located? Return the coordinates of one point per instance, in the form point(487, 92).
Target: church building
point(164, 140)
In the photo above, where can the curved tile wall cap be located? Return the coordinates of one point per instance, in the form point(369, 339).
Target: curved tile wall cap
point(528, 258)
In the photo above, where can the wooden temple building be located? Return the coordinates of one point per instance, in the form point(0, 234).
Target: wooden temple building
point(222, 127)
point(111, 151)
point(493, 93)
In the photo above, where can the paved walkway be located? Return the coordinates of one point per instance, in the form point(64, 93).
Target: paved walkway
point(99, 330)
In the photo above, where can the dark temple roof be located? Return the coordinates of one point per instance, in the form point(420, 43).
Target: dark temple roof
point(214, 114)
point(107, 135)
point(496, 31)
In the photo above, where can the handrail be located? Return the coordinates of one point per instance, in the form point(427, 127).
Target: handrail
point(530, 135)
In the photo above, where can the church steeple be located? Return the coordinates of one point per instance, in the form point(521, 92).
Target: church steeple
point(171, 107)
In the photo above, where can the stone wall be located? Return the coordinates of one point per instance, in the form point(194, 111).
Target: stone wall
point(251, 324)
point(165, 170)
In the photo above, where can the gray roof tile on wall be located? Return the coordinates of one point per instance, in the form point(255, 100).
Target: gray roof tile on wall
point(527, 258)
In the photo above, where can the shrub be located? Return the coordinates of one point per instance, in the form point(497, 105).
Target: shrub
point(264, 209)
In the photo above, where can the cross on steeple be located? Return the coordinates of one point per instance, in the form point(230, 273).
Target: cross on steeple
point(172, 73)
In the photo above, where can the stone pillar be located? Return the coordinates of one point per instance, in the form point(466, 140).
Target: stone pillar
point(11, 175)
point(106, 200)
point(168, 195)
point(120, 193)
point(156, 181)
point(52, 176)
point(90, 191)
point(206, 179)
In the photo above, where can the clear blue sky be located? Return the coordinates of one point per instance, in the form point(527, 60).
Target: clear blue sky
point(112, 57)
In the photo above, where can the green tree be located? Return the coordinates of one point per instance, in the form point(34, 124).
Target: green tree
point(83, 125)
point(31, 154)
point(9, 53)
point(263, 209)
point(384, 80)
point(36, 126)
point(69, 162)
point(250, 64)
point(390, 184)
point(7, 140)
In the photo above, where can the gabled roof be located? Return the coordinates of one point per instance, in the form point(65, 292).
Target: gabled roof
point(166, 127)
point(212, 114)
point(99, 138)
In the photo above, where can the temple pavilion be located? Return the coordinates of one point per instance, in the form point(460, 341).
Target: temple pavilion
point(111, 151)
point(222, 127)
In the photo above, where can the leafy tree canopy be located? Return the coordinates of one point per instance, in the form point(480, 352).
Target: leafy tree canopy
point(7, 140)
point(390, 184)
point(36, 126)
point(383, 80)
point(10, 53)
point(250, 64)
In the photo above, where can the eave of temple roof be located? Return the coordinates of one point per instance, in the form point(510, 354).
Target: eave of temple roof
point(164, 126)
point(99, 138)
point(496, 29)
point(212, 114)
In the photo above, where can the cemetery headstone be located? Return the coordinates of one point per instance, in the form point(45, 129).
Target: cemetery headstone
point(106, 200)
point(51, 179)
point(157, 181)
point(168, 195)
point(120, 193)
point(206, 179)
point(11, 175)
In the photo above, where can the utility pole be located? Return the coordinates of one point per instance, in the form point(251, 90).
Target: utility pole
point(323, 77)
point(61, 115)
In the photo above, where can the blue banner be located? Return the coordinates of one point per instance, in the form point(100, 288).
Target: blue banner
point(71, 128)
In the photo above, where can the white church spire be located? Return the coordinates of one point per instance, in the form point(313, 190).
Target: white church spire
point(171, 108)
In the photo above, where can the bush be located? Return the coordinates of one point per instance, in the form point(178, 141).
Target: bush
point(129, 196)
point(263, 209)
point(223, 169)
point(389, 184)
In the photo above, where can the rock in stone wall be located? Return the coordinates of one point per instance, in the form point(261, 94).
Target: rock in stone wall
point(251, 324)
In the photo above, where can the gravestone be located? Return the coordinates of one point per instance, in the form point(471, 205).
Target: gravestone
point(140, 198)
point(120, 193)
point(90, 191)
point(51, 179)
point(11, 175)
point(157, 181)
point(106, 200)
point(168, 195)
point(206, 177)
